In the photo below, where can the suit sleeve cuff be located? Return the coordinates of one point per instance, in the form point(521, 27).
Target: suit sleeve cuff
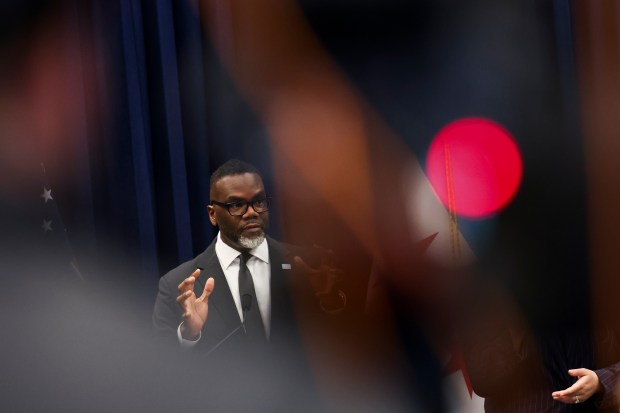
point(186, 343)
point(608, 378)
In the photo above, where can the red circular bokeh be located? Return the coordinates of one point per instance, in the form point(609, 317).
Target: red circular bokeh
point(475, 167)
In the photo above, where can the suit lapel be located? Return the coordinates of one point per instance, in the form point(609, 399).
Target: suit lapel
point(221, 299)
point(222, 310)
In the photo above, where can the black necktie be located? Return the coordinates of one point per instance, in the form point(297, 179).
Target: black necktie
point(253, 322)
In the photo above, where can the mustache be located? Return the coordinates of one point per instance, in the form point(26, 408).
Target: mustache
point(254, 224)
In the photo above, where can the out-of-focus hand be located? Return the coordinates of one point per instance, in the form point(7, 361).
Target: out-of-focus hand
point(586, 386)
point(323, 280)
point(195, 310)
point(324, 277)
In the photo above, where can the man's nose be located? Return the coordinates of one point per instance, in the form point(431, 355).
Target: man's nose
point(250, 211)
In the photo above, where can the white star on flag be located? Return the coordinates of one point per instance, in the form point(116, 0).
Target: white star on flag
point(47, 225)
point(47, 194)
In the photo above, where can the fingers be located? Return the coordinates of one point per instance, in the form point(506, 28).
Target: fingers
point(562, 394)
point(566, 396)
point(569, 399)
point(186, 291)
point(188, 283)
point(579, 372)
point(206, 292)
point(185, 303)
point(183, 297)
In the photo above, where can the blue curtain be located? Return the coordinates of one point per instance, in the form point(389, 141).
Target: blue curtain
point(167, 116)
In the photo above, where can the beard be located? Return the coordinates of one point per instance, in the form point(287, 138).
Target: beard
point(251, 243)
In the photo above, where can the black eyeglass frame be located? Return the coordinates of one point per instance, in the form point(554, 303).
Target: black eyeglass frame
point(246, 204)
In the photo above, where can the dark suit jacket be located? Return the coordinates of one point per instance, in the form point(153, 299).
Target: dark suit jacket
point(223, 317)
point(271, 376)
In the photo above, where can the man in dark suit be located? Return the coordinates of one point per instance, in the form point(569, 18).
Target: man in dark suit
point(247, 276)
point(238, 301)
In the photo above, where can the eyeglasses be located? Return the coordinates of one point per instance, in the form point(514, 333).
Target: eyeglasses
point(240, 207)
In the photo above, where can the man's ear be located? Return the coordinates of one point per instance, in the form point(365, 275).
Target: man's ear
point(211, 211)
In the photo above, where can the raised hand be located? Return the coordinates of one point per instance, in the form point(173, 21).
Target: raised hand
point(195, 310)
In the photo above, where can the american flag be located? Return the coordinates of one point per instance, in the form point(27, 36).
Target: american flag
point(54, 234)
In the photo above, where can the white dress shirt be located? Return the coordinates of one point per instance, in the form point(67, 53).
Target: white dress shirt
point(260, 269)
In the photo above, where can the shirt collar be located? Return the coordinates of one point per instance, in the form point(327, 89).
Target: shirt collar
point(227, 254)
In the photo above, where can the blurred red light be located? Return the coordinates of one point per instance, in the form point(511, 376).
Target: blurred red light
point(474, 166)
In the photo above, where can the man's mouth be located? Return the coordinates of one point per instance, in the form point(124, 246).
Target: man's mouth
point(254, 227)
